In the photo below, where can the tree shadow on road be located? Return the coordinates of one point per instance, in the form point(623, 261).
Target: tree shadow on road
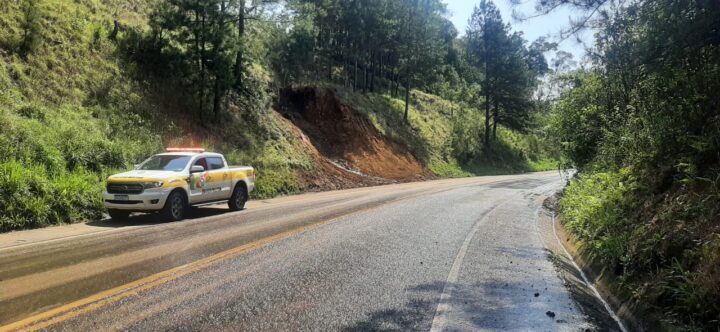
point(529, 304)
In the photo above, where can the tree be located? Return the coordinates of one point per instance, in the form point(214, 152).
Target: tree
point(563, 61)
point(30, 26)
point(487, 38)
point(508, 70)
point(371, 45)
point(202, 31)
point(244, 10)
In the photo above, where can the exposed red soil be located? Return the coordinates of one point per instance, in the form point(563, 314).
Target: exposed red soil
point(326, 176)
point(339, 132)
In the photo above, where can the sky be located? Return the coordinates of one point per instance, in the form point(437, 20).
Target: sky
point(549, 25)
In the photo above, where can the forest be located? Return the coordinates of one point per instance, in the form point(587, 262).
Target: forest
point(88, 87)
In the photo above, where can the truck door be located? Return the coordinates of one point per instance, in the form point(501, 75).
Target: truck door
point(200, 183)
point(221, 177)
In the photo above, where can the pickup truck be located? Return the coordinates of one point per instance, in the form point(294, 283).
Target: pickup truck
point(171, 182)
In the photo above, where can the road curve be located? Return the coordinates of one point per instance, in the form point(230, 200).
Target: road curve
point(457, 254)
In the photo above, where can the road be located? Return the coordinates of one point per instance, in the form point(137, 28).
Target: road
point(455, 254)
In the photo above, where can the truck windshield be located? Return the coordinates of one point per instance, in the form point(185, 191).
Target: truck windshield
point(165, 163)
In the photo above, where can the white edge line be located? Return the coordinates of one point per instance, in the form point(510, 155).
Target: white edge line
point(443, 307)
point(585, 279)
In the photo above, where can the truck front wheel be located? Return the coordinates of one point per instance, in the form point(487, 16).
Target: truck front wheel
point(175, 207)
point(238, 198)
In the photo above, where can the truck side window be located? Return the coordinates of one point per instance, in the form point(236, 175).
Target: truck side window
point(216, 163)
point(201, 162)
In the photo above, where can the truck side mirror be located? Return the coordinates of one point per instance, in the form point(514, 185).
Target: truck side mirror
point(197, 169)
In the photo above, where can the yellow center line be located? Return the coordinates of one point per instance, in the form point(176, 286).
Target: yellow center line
point(71, 310)
point(77, 308)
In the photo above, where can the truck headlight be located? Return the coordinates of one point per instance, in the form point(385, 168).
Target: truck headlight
point(151, 185)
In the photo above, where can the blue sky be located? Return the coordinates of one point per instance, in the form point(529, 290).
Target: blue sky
point(549, 25)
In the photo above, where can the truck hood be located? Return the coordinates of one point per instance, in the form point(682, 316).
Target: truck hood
point(143, 176)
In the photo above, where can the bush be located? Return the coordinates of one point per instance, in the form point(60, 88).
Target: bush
point(30, 197)
point(273, 182)
point(25, 196)
point(593, 209)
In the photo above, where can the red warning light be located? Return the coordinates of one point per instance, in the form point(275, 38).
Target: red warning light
point(185, 149)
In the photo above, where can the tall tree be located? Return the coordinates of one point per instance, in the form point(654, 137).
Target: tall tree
point(487, 39)
point(371, 44)
point(509, 70)
point(30, 25)
point(203, 31)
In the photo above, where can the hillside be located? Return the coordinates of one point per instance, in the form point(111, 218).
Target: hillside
point(76, 106)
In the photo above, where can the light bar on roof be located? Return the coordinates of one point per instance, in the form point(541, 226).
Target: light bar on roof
point(185, 149)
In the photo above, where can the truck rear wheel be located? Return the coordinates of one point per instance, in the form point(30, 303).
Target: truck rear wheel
point(175, 207)
point(238, 198)
point(118, 215)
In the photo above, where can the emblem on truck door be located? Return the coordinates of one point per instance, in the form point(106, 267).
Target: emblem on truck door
point(199, 182)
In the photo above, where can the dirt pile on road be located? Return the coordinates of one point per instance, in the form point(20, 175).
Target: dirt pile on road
point(346, 137)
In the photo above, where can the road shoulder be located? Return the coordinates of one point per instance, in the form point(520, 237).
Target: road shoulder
point(578, 275)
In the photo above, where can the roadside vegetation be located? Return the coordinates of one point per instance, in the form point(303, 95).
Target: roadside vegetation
point(642, 126)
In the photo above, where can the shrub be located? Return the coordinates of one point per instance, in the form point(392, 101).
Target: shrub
point(273, 182)
point(25, 196)
point(30, 197)
point(593, 208)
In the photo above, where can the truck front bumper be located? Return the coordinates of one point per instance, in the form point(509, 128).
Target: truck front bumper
point(149, 200)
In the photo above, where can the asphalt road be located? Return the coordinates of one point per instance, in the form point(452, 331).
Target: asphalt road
point(459, 254)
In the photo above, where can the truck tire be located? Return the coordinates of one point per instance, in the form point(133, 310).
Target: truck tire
point(238, 198)
point(175, 206)
point(118, 215)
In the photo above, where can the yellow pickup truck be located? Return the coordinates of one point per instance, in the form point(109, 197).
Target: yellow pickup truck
point(171, 182)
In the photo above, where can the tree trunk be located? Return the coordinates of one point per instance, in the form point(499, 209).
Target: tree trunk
point(391, 82)
point(198, 53)
point(380, 72)
point(365, 76)
point(355, 75)
point(347, 68)
point(396, 89)
point(116, 29)
point(217, 98)
point(486, 89)
point(407, 99)
point(372, 71)
point(238, 70)
point(495, 121)
point(487, 120)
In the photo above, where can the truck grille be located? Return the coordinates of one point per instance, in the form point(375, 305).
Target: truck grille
point(125, 188)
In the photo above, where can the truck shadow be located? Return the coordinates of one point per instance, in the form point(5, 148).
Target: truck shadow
point(147, 219)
